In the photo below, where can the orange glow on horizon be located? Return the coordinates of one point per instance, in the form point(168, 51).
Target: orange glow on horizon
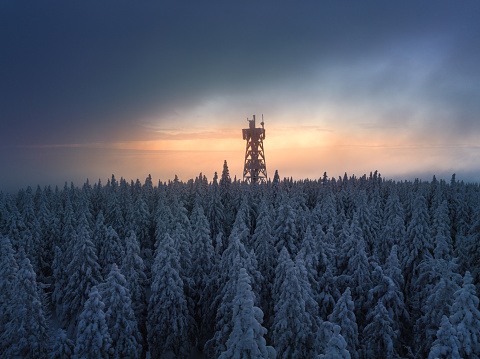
point(299, 152)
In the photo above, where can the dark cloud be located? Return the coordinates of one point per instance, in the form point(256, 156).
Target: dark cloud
point(88, 72)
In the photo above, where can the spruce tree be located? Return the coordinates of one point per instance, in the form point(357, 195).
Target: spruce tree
point(418, 243)
point(386, 294)
point(225, 185)
point(142, 222)
point(311, 305)
point(337, 346)
point(15, 227)
point(246, 339)
point(61, 346)
point(113, 213)
point(119, 315)
point(443, 248)
point(393, 229)
point(26, 333)
point(310, 254)
point(358, 276)
point(93, 339)
point(84, 273)
point(133, 269)
point(34, 247)
point(472, 247)
point(446, 345)
point(215, 211)
point(267, 259)
point(285, 232)
point(328, 293)
point(8, 278)
point(168, 318)
point(343, 315)
point(465, 319)
point(293, 334)
point(111, 250)
point(202, 267)
point(99, 234)
point(380, 336)
point(443, 282)
point(233, 258)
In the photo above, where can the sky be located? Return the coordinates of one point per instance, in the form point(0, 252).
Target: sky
point(89, 89)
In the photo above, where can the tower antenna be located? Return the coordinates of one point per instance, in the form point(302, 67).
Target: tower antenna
point(255, 169)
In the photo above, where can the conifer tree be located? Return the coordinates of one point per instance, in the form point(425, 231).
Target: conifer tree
point(8, 278)
point(293, 334)
point(60, 281)
point(465, 319)
point(392, 268)
point(472, 247)
point(33, 246)
point(438, 301)
point(163, 219)
point(215, 211)
point(63, 254)
point(418, 242)
point(111, 250)
point(267, 259)
point(358, 276)
point(343, 315)
point(142, 222)
point(93, 339)
point(15, 227)
point(61, 346)
point(246, 339)
point(328, 212)
point(223, 306)
point(84, 273)
point(310, 254)
point(368, 224)
point(233, 258)
point(280, 273)
point(99, 232)
point(285, 232)
point(133, 269)
point(119, 315)
point(446, 345)
point(181, 231)
point(337, 346)
point(311, 305)
point(379, 334)
point(168, 318)
point(26, 333)
point(225, 185)
point(202, 267)
point(48, 237)
point(329, 293)
point(113, 213)
point(443, 241)
point(393, 229)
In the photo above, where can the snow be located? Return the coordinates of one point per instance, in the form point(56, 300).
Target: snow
point(335, 268)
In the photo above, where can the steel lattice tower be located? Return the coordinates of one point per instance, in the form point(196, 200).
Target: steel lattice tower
point(255, 169)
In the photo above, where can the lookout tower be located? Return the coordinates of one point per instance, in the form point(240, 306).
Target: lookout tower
point(255, 169)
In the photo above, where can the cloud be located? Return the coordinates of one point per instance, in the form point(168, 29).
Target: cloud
point(121, 75)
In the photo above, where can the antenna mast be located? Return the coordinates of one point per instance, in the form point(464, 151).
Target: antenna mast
point(255, 169)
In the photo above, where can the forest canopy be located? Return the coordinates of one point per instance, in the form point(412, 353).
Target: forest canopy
point(331, 268)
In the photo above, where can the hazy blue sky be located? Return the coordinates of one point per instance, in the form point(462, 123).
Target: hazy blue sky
point(91, 88)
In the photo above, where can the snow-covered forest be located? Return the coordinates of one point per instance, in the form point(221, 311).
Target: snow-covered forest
point(329, 268)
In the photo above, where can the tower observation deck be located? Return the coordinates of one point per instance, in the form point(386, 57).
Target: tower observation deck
point(254, 169)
